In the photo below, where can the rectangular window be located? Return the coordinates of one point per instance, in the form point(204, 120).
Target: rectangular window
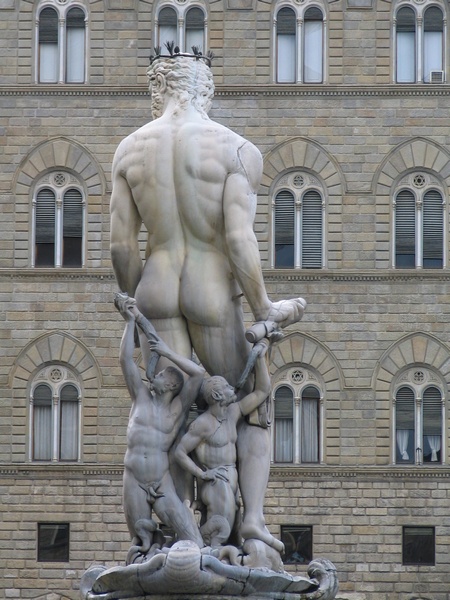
point(297, 540)
point(418, 546)
point(53, 542)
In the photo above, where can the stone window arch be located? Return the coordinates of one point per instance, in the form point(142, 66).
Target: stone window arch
point(419, 41)
point(418, 417)
point(61, 42)
point(58, 221)
point(299, 42)
point(298, 222)
point(184, 23)
point(418, 222)
point(55, 414)
point(297, 431)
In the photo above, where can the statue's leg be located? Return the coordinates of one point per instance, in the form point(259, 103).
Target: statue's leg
point(135, 505)
point(224, 351)
point(175, 513)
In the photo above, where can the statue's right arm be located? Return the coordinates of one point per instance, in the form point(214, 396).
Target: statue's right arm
point(125, 226)
point(196, 434)
point(239, 205)
point(129, 368)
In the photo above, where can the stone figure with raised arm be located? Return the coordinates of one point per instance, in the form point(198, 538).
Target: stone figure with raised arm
point(157, 414)
point(212, 439)
point(192, 182)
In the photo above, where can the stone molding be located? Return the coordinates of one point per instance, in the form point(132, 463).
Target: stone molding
point(270, 275)
point(236, 90)
point(277, 472)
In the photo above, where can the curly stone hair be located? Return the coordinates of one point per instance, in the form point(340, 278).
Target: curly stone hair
point(188, 79)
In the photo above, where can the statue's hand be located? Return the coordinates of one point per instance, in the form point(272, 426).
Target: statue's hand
point(287, 312)
point(215, 474)
point(157, 345)
point(126, 306)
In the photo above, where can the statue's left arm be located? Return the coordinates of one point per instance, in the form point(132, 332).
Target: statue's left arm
point(262, 387)
point(125, 225)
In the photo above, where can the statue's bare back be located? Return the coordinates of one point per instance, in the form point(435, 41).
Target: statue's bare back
point(177, 171)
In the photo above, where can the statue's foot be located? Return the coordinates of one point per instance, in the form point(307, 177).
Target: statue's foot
point(251, 530)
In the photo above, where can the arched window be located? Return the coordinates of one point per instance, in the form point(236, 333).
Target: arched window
point(419, 44)
point(55, 416)
point(61, 44)
point(419, 418)
point(285, 230)
point(286, 46)
point(167, 26)
point(298, 223)
point(195, 29)
point(313, 46)
point(299, 44)
point(419, 239)
point(298, 415)
point(48, 46)
point(284, 425)
point(58, 222)
point(75, 44)
point(184, 24)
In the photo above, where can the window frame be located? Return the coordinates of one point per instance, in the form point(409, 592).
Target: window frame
point(62, 11)
point(49, 182)
point(406, 562)
point(419, 10)
point(286, 184)
point(181, 11)
point(39, 557)
point(56, 377)
point(430, 184)
point(308, 379)
point(409, 379)
point(289, 530)
point(300, 10)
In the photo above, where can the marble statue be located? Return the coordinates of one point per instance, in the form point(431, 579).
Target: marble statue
point(212, 438)
point(155, 420)
point(192, 184)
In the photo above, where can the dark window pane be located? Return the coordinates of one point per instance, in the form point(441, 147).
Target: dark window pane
point(406, 20)
point(68, 435)
point(418, 546)
point(405, 230)
point(313, 14)
point(42, 423)
point(284, 425)
point(72, 229)
point(297, 542)
point(404, 426)
point(433, 230)
point(312, 230)
point(286, 22)
point(53, 542)
point(284, 230)
point(433, 20)
point(432, 425)
point(48, 26)
point(310, 416)
point(45, 229)
point(75, 18)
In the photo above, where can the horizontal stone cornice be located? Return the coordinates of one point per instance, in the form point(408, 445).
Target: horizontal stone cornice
point(235, 90)
point(61, 471)
point(270, 275)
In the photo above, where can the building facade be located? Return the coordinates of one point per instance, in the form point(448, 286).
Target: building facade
point(348, 102)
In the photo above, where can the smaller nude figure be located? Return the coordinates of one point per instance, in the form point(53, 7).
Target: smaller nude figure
point(212, 438)
point(157, 414)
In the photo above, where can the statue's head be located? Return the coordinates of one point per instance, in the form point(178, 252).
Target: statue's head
point(188, 80)
point(217, 390)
